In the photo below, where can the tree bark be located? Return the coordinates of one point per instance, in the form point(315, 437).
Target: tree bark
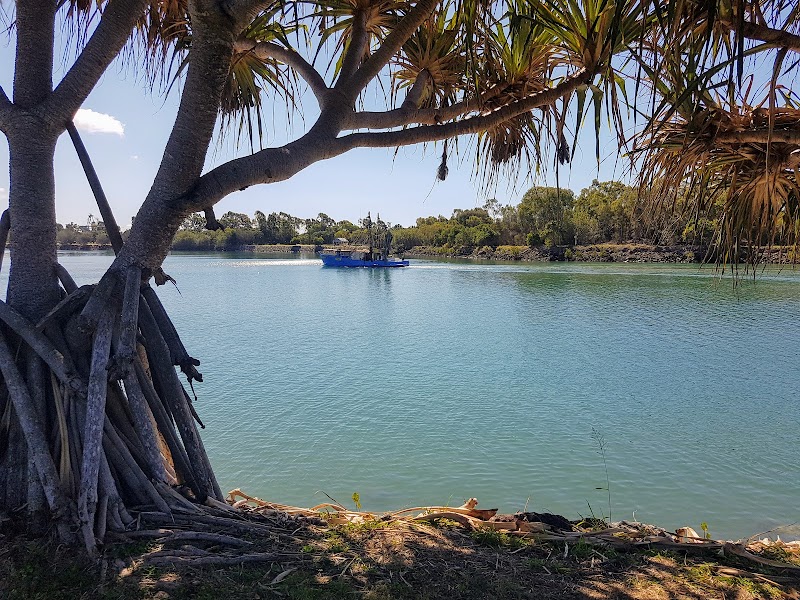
point(185, 153)
point(32, 284)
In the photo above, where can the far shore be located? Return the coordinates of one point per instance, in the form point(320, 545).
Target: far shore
point(618, 253)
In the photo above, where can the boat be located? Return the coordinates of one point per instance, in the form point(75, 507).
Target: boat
point(367, 256)
point(354, 257)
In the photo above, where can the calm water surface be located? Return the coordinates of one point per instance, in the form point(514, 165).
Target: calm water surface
point(454, 379)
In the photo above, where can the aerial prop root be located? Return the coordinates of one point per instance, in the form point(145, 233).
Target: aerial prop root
point(113, 431)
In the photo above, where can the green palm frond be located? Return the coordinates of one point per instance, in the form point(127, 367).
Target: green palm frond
point(251, 77)
point(436, 47)
point(335, 22)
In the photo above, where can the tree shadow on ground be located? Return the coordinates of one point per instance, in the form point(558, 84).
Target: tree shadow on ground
point(375, 562)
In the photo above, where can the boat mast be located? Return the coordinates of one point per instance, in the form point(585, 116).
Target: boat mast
point(385, 238)
point(367, 223)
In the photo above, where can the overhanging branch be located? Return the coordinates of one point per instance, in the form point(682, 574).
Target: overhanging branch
point(278, 164)
point(408, 114)
point(754, 31)
point(371, 67)
point(359, 38)
point(760, 136)
point(432, 133)
point(265, 50)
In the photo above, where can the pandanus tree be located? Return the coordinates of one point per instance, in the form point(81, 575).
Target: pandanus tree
point(94, 419)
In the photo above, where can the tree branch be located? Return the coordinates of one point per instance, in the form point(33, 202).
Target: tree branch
point(415, 93)
point(265, 50)
point(266, 166)
point(359, 38)
point(391, 46)
point(754, 31)
point(7, 109)
point(116, 24)
point(278, 164)
point(242, 12)
point(760, 136)
point(407, 114)
point(431, 133)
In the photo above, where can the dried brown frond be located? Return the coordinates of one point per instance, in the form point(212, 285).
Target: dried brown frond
point(702, 161)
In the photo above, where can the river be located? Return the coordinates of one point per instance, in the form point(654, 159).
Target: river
point(544, 386)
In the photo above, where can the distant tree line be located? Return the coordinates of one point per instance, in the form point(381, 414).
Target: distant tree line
point(604, 212)
point(276, 228)
point(607, 211)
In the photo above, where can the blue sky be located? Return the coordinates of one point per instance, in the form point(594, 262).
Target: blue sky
point(400, 187)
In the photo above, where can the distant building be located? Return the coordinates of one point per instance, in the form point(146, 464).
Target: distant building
point(340, 241)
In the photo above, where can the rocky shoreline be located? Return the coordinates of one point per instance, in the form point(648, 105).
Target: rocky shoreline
point(619, 253)
point(640, 253)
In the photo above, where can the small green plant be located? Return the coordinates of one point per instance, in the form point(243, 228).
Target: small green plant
point(488, 537)
point(536, 563)
point(581, 550)
point(701, 572)
point(363, 526)
point(704, 527)
point(357, 500)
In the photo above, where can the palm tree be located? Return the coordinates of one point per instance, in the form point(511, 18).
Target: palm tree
point(93, 417)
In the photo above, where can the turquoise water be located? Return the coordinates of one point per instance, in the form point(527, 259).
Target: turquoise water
point(447, 380)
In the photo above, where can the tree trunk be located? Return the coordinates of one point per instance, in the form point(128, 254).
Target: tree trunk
point(73, 440)
point(32, 283)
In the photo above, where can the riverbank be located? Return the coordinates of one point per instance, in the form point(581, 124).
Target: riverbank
point(639, 253)
point(378, 560)
point(594, 253)
point(619, 253)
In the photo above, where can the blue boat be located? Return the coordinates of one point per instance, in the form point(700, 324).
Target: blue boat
point(357, 258)
point(378, 234)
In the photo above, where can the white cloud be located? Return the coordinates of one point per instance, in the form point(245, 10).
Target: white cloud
point(95, 122)
point(3, 195)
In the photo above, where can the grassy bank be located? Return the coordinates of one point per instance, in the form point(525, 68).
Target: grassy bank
point(378, 560)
